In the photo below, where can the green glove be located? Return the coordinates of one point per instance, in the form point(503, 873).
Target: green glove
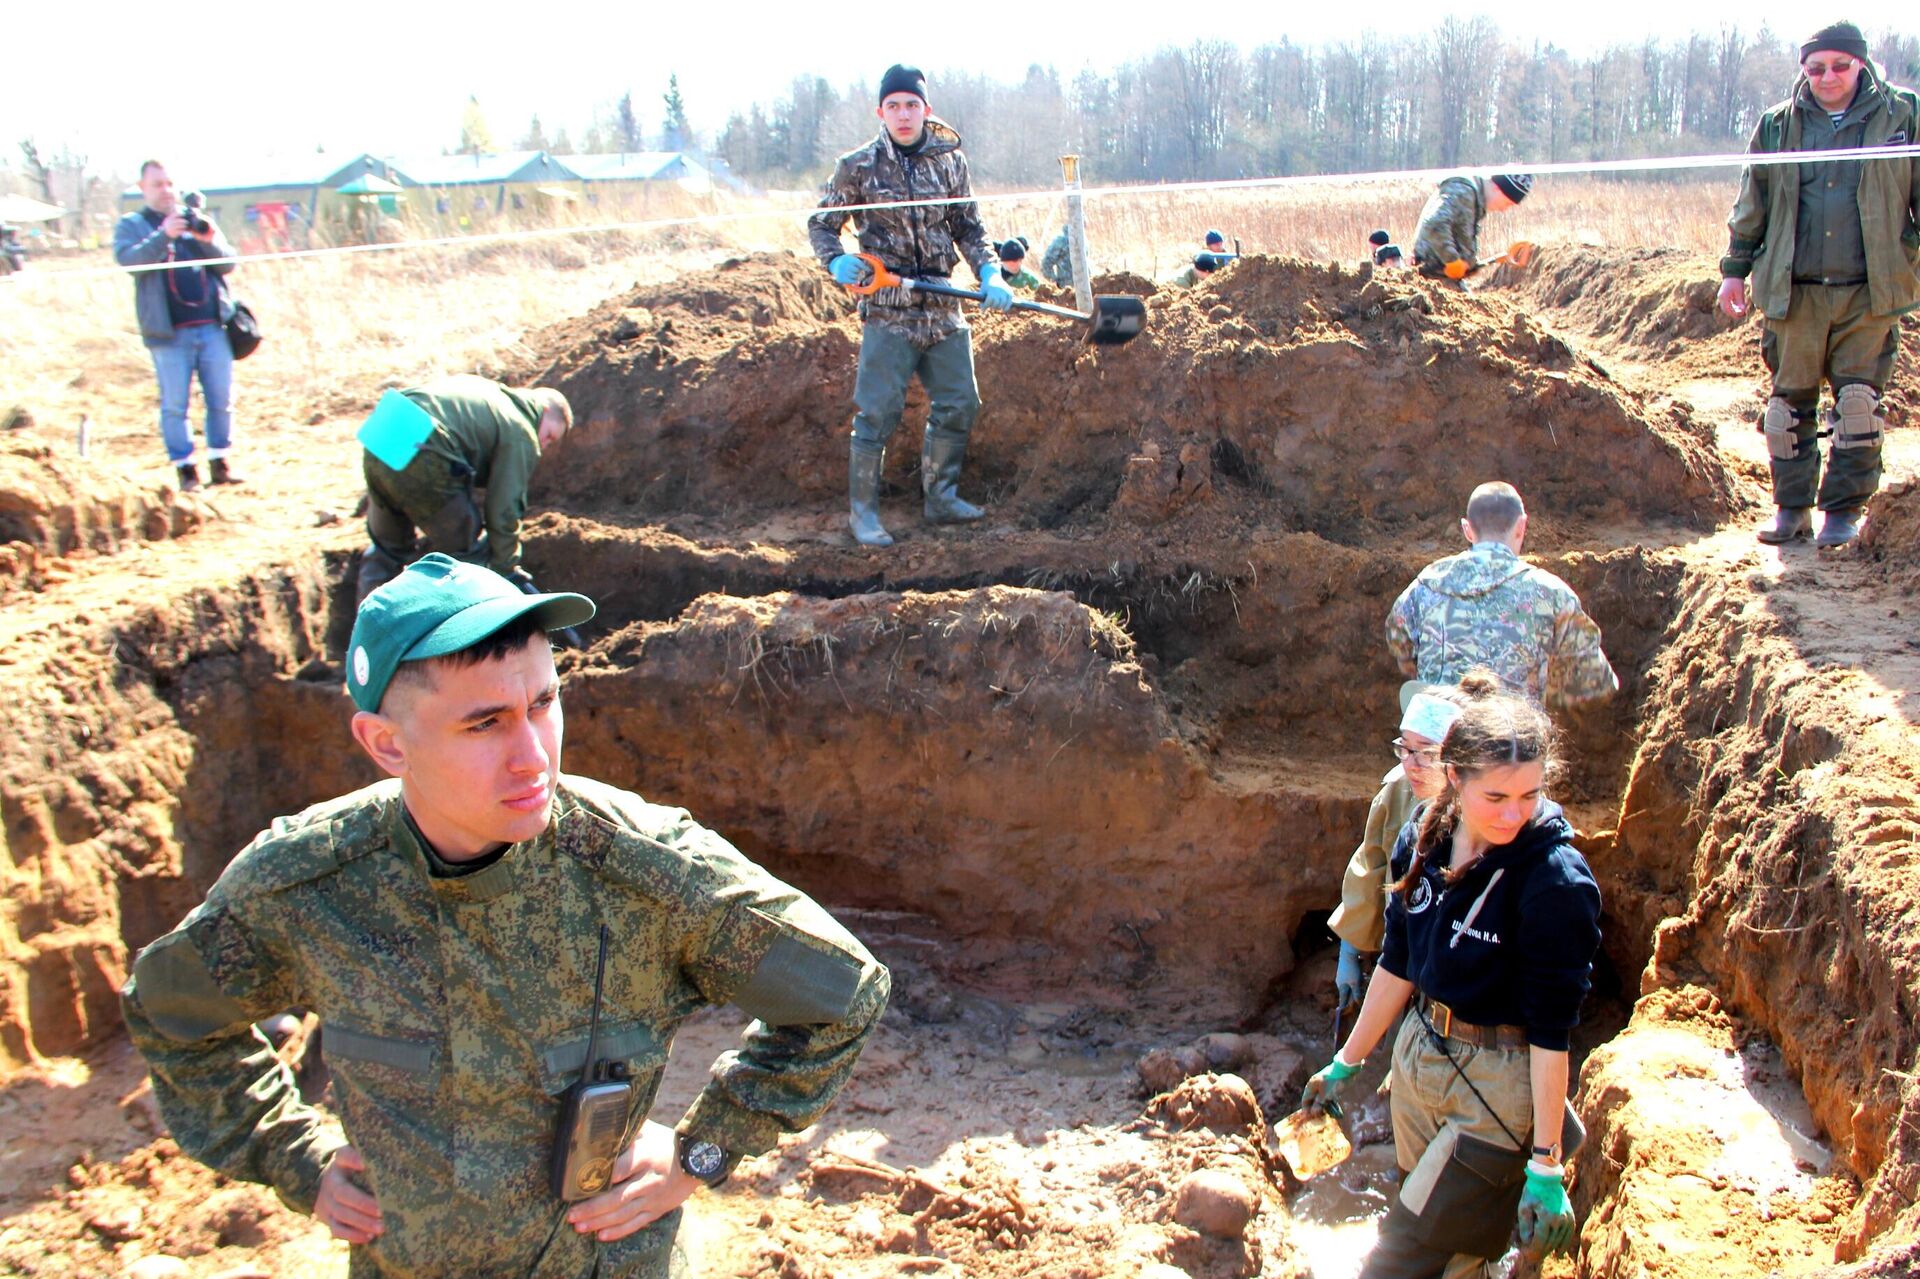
point(1323, 1090)
point(1546, 1219)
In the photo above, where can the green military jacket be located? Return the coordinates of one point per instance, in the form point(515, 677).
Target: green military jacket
point(1449, 227)
point(455, 1013)
point(1761, 231)
point(1361, 918)
point(926, 242)
point(1488, 607)
point(1022, 279)
point(494, 431)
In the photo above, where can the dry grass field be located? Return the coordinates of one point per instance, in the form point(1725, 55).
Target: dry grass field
point(342, 327)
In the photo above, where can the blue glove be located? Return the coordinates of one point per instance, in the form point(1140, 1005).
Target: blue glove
point(849, 269)
point(1347, 982)
point(1323, 1090)
point(998, 296)
point(1546, 1218)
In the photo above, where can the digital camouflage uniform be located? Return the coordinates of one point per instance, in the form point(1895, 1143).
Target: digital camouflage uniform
point(456, 1009)
point(1449, 227)
point(1057, 263)
point(1488, 607)
point(1830, 251)
point(487, 435)
point(1361, 918)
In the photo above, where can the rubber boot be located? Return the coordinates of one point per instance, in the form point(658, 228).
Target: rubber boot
point(189, 478)
point(220, 473)
point(863, 495)
point(1790, 524)
point(940, 458)
point(1838, 528)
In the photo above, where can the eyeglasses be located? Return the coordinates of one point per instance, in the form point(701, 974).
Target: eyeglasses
point(1424, 759)
point(1815, 70)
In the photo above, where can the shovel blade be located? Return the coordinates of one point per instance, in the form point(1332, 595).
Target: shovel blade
point(1117, 319)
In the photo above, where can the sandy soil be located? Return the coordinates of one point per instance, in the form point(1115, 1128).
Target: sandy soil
point(1085, 774)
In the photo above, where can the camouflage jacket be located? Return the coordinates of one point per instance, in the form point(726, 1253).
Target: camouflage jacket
point(1361, 918)
point(1488, 607)
point(1057, 262)
point(1761, 237)
point(919, 243)
point(1449, 228)
point(455, 1014)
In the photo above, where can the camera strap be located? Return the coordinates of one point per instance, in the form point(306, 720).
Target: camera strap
point(1440, 1041)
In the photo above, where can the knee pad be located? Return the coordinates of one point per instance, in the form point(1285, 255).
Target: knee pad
point(1856, 420)
point(1778, 426)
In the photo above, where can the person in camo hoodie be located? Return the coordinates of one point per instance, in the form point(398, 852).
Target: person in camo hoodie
point(909, 334)
point(1488, 607)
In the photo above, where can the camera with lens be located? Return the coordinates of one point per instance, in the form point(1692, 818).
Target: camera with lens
point(190, 205)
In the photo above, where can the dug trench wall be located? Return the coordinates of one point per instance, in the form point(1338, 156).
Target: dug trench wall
point(1766, 849)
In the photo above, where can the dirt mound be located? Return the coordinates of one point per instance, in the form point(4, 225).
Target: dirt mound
point(1701, 1158)
point(53, 506)
point(1891, 538)
point(1661, 306)
point(1290, 395)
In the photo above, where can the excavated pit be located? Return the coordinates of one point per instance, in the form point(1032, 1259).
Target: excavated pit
point(1110, 749)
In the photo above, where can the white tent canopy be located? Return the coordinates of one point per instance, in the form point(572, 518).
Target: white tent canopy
point(20, 208)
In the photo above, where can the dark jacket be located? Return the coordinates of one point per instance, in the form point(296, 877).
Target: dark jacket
point(138, 242)
point(1512, 943)
point(1761, 237)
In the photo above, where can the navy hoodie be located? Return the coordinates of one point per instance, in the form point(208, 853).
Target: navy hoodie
point(1512, 943)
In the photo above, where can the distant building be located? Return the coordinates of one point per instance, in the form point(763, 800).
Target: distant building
point(275, 204)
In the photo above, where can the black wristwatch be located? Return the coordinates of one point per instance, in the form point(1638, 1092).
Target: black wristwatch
point(1549, 1153)
point(702, 1160)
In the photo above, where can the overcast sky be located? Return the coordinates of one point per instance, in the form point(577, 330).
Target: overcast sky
point(117, 82)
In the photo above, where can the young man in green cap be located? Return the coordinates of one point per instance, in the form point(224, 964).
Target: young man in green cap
point(1827, 252)
point(463, 930)
point(907, 333)
point(484, 434)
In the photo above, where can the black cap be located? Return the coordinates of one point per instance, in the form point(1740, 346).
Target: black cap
point(1379, 238)
point(1011, 250)
point(1841, 37)
point(1514, 185)
point(1204, 262)
point(903, 79)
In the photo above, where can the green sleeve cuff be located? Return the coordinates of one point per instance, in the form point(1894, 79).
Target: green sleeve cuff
point(717, 1118)
point(297, 1179)
point(1736, 268)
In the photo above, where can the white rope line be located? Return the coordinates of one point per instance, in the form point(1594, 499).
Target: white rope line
point(1135, 190)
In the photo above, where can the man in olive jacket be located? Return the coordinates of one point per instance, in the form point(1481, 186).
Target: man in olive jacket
point(1827, 253)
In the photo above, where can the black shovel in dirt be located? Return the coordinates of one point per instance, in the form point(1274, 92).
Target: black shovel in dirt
point(1116, 318)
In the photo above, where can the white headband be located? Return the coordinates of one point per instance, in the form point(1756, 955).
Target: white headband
point(1429, 716)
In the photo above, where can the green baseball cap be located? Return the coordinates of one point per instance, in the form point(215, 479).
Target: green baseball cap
point(439, 606)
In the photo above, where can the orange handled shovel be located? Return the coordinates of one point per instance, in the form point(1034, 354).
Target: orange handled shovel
point(1116, 318)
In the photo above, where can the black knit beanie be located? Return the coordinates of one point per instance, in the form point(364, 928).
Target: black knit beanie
point(1379, 238)
point(903, 79)
point(1841, 37)
point(1012, 250)
point(1205, 262)
point(1514, 185)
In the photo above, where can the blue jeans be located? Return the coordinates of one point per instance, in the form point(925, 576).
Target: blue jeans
point(202, 349)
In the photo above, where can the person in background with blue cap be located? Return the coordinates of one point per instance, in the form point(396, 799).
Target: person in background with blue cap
point(451, 927)
point(1360, 922)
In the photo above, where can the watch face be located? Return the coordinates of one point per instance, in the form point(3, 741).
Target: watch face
point(704, 1159)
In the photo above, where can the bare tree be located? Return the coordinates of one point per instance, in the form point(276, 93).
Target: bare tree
point(37, 170)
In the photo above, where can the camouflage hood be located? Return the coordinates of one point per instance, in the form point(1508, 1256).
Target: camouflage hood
point(1484, 568)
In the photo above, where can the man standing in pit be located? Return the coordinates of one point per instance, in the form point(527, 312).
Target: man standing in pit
point(907, 333)
point(1827, 253)
point(483, 434)
point(1057, 263)
point(1446, 243)
point(1488, 607)
point(500, 955)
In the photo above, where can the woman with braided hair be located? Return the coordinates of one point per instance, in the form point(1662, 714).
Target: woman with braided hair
point(1491, 933)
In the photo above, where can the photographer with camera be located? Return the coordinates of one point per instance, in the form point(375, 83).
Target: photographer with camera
point(183, 315)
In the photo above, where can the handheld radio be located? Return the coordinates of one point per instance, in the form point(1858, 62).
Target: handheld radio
point(594, 1118)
